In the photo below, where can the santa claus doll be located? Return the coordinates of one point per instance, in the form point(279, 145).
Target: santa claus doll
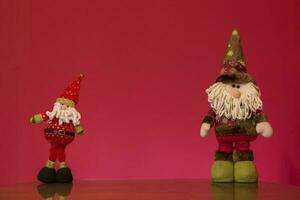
point(63, 122)
point(237, 117)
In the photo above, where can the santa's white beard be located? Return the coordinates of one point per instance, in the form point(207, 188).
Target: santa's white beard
point(68, 115)
point(224, 104)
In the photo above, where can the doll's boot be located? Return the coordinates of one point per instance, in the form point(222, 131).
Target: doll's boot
point(245, 172)
point(222, 171)
point(64, 174)
point(47, 174)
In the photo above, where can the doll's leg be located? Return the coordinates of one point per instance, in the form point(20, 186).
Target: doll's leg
point(244, 169)
point(64, 174)
point(243, 151)
point(53, 154)
point(61, 154)
point(47, 174)
point(225, 151)
point(222, 168)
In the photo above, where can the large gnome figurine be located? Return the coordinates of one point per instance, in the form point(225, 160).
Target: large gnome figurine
point(237, 116)
point(63, 122)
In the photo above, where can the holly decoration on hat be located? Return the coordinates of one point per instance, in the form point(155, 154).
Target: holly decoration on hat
point(235, 112)
point(63, 122)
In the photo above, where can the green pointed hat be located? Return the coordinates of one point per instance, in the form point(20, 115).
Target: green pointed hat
point(234, 67)
point(234, 54)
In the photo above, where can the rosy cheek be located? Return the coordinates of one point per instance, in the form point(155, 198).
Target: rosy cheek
point(229, 89)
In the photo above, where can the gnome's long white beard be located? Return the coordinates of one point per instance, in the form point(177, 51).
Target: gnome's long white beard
point(224, 104)
point(68, 115)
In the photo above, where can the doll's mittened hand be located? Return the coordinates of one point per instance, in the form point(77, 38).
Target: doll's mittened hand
point(79, 130)
point(265, 129)
point(205, 127)
point(36, 119)
point(81, 133)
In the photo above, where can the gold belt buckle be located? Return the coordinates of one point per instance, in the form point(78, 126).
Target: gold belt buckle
point(62, 132)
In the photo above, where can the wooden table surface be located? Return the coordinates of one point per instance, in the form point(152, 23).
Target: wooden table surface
point(150, 189)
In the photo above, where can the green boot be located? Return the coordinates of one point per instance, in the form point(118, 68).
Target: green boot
point(245, 172)
point(222, 171)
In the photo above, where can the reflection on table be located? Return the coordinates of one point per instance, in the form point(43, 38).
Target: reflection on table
point(229, 191)
point(150, 189)
point(50, 191)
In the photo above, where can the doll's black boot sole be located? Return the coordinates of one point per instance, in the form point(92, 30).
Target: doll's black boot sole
point(64, 175)
point(47, 175)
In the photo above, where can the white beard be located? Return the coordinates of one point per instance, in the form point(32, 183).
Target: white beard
point(224, 104)
point(64, 116)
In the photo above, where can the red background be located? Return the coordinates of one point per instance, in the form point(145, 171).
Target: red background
point(147, 65)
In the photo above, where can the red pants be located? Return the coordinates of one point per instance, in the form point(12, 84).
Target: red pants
point(58, 144)
point(57, 152)
point(238, 142)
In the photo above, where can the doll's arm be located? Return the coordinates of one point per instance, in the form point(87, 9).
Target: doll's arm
point(38, 118)
point(207, 123)
point(263, 127)
point(79, 130)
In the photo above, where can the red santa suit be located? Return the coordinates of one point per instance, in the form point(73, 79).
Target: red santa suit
point(59, 136)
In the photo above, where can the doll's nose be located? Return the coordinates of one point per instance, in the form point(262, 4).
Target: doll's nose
point(235, 93)
point(63, 107)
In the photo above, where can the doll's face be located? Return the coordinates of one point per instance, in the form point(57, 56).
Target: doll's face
point(65, 114)
point(234, 100)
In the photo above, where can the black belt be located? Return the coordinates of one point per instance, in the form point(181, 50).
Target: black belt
point(60, 132)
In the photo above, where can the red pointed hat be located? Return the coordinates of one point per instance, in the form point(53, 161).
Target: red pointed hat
point(71, 94)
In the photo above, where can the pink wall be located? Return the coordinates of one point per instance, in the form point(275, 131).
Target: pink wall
point(147, 64)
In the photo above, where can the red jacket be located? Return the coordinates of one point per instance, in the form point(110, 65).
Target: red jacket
point(58, 138)
point(53, 124)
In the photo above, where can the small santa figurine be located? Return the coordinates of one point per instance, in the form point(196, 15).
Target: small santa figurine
point(63, 122)
point(237, 117)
